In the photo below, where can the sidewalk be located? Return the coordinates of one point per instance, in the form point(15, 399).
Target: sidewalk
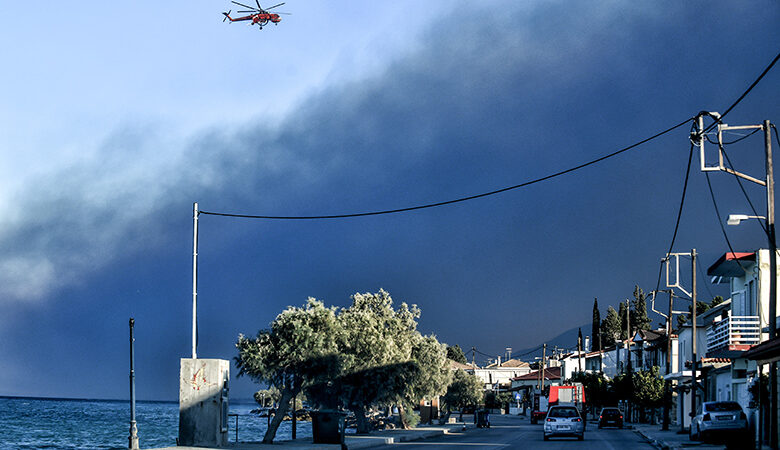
point(374, 439)
point(669, 439)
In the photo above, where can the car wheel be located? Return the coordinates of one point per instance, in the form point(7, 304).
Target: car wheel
point(581, 437)
point(546, 438)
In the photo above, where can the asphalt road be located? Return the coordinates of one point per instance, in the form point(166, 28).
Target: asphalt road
point(508, 432)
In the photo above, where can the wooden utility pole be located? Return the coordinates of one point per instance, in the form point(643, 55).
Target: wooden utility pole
point(668, 382)
point(579, 350)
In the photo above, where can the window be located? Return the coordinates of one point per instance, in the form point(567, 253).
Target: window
point(738, 303)
point(751, 298)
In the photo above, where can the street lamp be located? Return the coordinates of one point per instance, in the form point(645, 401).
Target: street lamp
point(735, 219)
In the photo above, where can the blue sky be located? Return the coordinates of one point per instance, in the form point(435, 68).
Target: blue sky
point(117, 117)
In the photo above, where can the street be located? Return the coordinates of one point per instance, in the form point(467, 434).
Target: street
point(517, 432)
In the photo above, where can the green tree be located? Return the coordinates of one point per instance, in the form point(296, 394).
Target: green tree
point(455, 353)
point(596, 387)
point(464, 390)
point(301, 347)
point(648, 388)
point(639, 319)
point(610, 326)
point(267, 397)
point(434, 374)
point(701, 308)
point(596, 326)
point(497, 400)
point(377, 350)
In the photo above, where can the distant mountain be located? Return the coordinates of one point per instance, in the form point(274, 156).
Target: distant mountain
point(565, 341)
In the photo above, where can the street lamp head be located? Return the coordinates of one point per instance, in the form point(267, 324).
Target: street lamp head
point(735, 219)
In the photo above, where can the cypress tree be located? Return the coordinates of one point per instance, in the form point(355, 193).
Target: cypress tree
point(610, 326)
point(639, 319)
point(596, 326)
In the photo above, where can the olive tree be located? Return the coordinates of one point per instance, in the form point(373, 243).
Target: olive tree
point(375, 351)
point(300, 348)
point(464, 390)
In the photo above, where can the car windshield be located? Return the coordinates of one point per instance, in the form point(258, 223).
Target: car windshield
point(564, 412)
point(723, 406)
point(610, 411)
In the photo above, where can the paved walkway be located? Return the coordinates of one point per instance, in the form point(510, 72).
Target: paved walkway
point(374, 439)
point(671, 439)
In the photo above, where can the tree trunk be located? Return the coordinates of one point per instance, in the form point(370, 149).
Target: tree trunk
point(404, 423)
point(363, 426)
point(284, 405)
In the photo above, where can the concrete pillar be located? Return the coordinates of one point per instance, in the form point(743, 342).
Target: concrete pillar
point(203, 402)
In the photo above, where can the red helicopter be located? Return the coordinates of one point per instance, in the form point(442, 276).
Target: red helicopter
point(258, 16)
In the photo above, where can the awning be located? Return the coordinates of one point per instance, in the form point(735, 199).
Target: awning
point(728, 265)
point(764, 352)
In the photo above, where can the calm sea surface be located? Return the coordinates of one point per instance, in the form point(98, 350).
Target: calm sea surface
point(27, 423)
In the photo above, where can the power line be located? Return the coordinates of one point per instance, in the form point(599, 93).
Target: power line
point(458, 200)
point(744, 94)
point(720, 222)
point(742, 188)
point(679, 214)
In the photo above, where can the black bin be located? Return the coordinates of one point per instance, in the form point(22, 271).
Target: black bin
point(482, 418)
point(327, 427)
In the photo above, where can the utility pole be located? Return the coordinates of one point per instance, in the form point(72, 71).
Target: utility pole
point(579, 351)
point(668, 383)
point(770, 230)
point(133, 439)
point(628, 353)
point(694, 360)
point(544, 367)
point(769, 184)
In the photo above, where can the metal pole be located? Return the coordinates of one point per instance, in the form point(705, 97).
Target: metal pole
point(693, 341)
point(133, 440)
point(195, 281)
point(544, 355)
point(628, 357)
point(761, 407)
point(770, 222)
point(579, 351)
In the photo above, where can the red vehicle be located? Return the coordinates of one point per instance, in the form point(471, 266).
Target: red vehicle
point(567, 395)
point(258, 16)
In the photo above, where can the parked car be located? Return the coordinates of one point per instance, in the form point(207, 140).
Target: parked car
point(564, 421)
point(610, 417)
point(719, 418)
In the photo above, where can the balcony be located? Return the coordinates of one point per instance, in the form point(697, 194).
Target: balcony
point(733, 333)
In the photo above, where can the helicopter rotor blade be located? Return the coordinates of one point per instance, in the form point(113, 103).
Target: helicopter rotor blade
point(245, 6)
point(280, 4)
point(252, 11)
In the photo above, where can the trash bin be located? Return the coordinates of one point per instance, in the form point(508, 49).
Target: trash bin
point(483, 418)
point(327, 427)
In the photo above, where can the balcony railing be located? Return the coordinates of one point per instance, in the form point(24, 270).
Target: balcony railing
point(733, 331)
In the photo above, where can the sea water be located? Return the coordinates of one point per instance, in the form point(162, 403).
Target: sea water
point(31, 423)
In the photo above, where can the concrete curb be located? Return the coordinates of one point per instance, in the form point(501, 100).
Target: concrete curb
point(654, 442)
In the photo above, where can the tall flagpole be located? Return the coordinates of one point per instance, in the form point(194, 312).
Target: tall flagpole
point(195, 281)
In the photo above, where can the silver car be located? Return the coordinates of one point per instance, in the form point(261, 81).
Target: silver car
point(725, 418)
point(564, 421)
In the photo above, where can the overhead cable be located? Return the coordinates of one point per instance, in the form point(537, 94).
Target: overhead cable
point(458, 200)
